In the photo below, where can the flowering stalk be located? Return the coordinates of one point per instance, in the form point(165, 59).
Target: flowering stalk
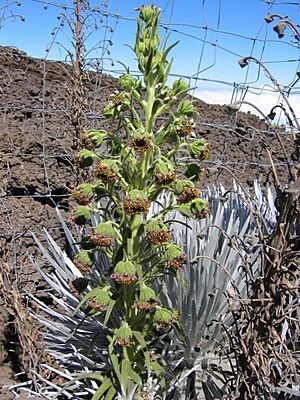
point(143, 157)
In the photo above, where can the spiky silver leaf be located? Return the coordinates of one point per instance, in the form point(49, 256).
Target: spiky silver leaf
point(79, 343)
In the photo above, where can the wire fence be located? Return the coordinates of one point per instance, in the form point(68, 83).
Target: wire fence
point(37, 132)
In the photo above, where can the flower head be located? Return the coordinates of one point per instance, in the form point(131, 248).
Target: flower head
point(124, 335)
point(141, 143)
point(100, 301)
point(87, 142)
point(104, 234)
point(107, 171)
point(86, 158)
point(128, 82)
point(137, 206)
point(159, 236)
point(136, 203)
point(164, 172)
point(186, 108)
point(81, 215)
point(165, 178)
point(147, 299)
point(204, 155)
point(174, 257)
point(184, 126)
point(104, 173)
point(101, 240)
point(157, 232)
point(83, 261)
point(165, 318)
point(199, 208)
point(80, 197)
point(187, 195)
point(124, 273)
point(179, 86)
point(96, 136)
point(148, 13)
point(83, 193)
point(118, 99)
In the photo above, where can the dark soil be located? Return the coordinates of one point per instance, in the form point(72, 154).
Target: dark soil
point(36, 161)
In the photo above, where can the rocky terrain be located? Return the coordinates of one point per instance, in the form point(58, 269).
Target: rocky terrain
point(37, 171)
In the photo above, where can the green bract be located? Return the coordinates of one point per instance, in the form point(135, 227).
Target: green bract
point(183, 184)
point(146, 293)
point(124, 332)
point(96, 136)
point(87, 157)
point(106, 229)
point(82, 215)
point(171, 252)
point(87, 188)
point(125, 267)
point(179, 86)
point(186, 108)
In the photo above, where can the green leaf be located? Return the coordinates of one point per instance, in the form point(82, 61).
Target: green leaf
point(149, 63)
point(107, 383)
point(157, 103)
point(166, 52)
point(128, 372)
point(87, 157)
point(155, 366)
point(90, 375)
point(111, 393)
point(90, 294)
point(140, 338)
point(109, 311)
point(114, 359)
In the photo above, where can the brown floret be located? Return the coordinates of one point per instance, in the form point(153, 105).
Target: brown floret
point(124, 278)
point(123, 342)
point(80, 197)
point(141, 144)
point(176, 263)
point(100, 240)
point(105, 174)
point(158, 236)
point(96, 306)
point(165, 178)
point(137, 206)
point(190, 193)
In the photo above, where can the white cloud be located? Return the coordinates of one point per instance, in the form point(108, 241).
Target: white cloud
point(264, 101)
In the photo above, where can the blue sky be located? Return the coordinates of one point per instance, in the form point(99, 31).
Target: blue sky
point(213, 35)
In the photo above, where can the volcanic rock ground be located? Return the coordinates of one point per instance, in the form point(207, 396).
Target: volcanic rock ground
point(37, 172)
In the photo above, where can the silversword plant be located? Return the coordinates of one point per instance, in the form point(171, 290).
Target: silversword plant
point(130, 168)
point(151, 154)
